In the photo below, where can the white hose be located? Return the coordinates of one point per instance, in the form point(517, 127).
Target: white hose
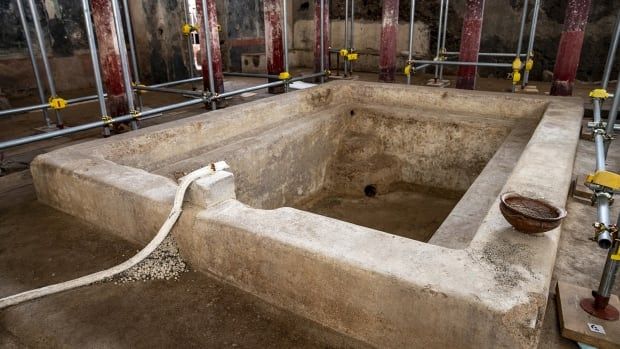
point(139, 257)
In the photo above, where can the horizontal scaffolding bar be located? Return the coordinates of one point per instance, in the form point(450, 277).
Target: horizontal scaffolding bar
point(488, 54)
point(147, 114)
point(9, 112)
point(169, 90)
point(95, 124)
point(252, 75)
point(479, 64)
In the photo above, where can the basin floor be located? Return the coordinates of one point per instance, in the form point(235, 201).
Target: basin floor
point(411, 214)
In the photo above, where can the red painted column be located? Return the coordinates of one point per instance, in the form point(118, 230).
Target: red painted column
point(317, 41)
point(109, 57)
point(470, 44)
point(569, 49)
point(216, 52)
point(274, 48)
point(389, 30)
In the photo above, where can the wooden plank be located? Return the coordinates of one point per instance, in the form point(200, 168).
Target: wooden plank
point(574, 321)
point(580, 188)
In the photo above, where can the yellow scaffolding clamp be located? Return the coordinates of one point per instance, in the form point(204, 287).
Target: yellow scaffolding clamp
point(57, 103)
point(599, 93)
point(188, 29)
point(284, 75)
point(343, 52)
point(603, 181)
point(516, 67)
point(529, 63)
point(407, 69)
point(352, 56)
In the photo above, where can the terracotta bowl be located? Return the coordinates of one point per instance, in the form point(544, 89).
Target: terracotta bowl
point(530, 216)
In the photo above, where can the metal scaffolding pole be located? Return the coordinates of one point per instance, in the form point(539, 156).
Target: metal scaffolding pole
point(90, 35)
point(439, 32)
point(487, 54)
point(612, 116)
point(411, 37)
point(190, 47)
point(346, 36)
point(520, 39)
point(46, 63)
point(95, 124)
point(33, 60)
point(598, 306)
point(285, 38)
point(522, 28)
point(351, 47)
point(132, 48)
point(443, 36)
point(191, 93)
point(207, 38)
point(478, 64)
point(530, 44)
point(120, 36)
point(611, 54)
point(322, 40)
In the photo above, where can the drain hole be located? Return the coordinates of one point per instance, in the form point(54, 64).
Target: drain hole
point(370, 190)
point(352, 112)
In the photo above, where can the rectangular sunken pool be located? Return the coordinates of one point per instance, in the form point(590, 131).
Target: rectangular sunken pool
point(368, 208)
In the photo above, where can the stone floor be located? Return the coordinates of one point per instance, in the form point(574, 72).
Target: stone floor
point(39, 245)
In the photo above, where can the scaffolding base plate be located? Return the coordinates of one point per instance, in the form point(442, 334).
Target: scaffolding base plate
point(46, 129)
point(438, 83)
point(342, 77)
point(576, 324)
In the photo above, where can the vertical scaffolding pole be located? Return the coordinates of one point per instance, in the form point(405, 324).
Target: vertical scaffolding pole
point(90, 35)
point(439, 33)
point(611, 54)
point(520, 40)
point(190, 47)
point(411, 37)
point(569, 49)
point(470, 44)
point(206, 43)
point(389, 31)
point(346, 36)
point(613, 116)
point(530, 44)
point(132, 48)
point(120, 37)
point(46, 64)
point(443, 36)
point(599, 305)
point(214, 62)
point(33, 61)
point(321, 24)
point(285, 40)
point(351, 47)
point(274, 43)
point(109, 57)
